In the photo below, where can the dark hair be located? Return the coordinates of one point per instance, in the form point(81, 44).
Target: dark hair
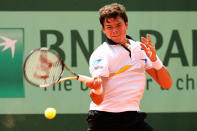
point(112, 11)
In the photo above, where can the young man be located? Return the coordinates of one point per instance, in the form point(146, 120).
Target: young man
point(118, 68)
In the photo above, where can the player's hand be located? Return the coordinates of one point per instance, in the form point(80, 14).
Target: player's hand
point(149, 48)
point(95, 83)
point(97, 95)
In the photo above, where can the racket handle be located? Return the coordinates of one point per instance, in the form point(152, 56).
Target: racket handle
point(83, 78)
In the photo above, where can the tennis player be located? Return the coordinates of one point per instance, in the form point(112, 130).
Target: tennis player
point(118, 67)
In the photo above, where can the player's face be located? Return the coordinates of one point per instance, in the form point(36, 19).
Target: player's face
point(115, 29)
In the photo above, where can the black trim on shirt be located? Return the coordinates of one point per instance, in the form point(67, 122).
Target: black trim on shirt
point(110, 42)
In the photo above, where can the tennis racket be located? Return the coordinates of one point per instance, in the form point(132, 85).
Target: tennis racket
point(44, 67)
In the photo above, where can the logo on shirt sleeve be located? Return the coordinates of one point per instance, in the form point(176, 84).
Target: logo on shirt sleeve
point(96, 62)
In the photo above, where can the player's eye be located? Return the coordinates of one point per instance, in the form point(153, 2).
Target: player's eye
point(119, 25)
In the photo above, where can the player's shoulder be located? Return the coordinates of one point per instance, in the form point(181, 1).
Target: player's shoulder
point(100, 51)
point(135, 45)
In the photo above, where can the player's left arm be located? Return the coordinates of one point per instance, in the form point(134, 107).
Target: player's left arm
point(159, 72)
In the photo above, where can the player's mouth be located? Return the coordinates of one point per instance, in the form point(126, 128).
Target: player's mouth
point(115, 36)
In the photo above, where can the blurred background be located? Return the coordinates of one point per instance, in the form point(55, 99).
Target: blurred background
point(72, 28)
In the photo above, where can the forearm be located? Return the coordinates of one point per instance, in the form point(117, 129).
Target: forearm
point(160, 74)
point(163, 77)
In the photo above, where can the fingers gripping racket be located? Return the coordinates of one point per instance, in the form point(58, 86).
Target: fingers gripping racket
point(44, 68)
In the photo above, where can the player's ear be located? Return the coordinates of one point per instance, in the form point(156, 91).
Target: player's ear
point(103, 29)
point(126, 24)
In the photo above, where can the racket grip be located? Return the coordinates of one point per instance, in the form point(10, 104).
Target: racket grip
point(83, 78)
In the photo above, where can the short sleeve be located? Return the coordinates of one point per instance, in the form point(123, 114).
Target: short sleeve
point(98, 64)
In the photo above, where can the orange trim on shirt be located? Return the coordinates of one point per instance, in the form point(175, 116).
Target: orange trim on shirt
point(123, 69)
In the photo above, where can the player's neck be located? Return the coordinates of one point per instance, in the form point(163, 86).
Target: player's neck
point(126, 43)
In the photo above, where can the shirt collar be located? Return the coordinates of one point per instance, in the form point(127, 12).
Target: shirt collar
point(110, 42)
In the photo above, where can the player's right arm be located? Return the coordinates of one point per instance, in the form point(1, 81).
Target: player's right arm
point(98, 67)
point(96, 89)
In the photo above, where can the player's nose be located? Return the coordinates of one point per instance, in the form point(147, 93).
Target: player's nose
point(115, 32)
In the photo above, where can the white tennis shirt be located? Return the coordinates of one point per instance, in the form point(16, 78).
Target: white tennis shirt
point(124, 72)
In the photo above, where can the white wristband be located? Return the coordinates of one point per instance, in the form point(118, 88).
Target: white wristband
point(157, 64)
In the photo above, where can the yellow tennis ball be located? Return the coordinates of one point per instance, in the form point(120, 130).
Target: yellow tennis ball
point(50, 113)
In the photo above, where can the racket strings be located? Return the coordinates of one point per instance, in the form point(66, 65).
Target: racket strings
point(55, 69)
point(43, 68)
